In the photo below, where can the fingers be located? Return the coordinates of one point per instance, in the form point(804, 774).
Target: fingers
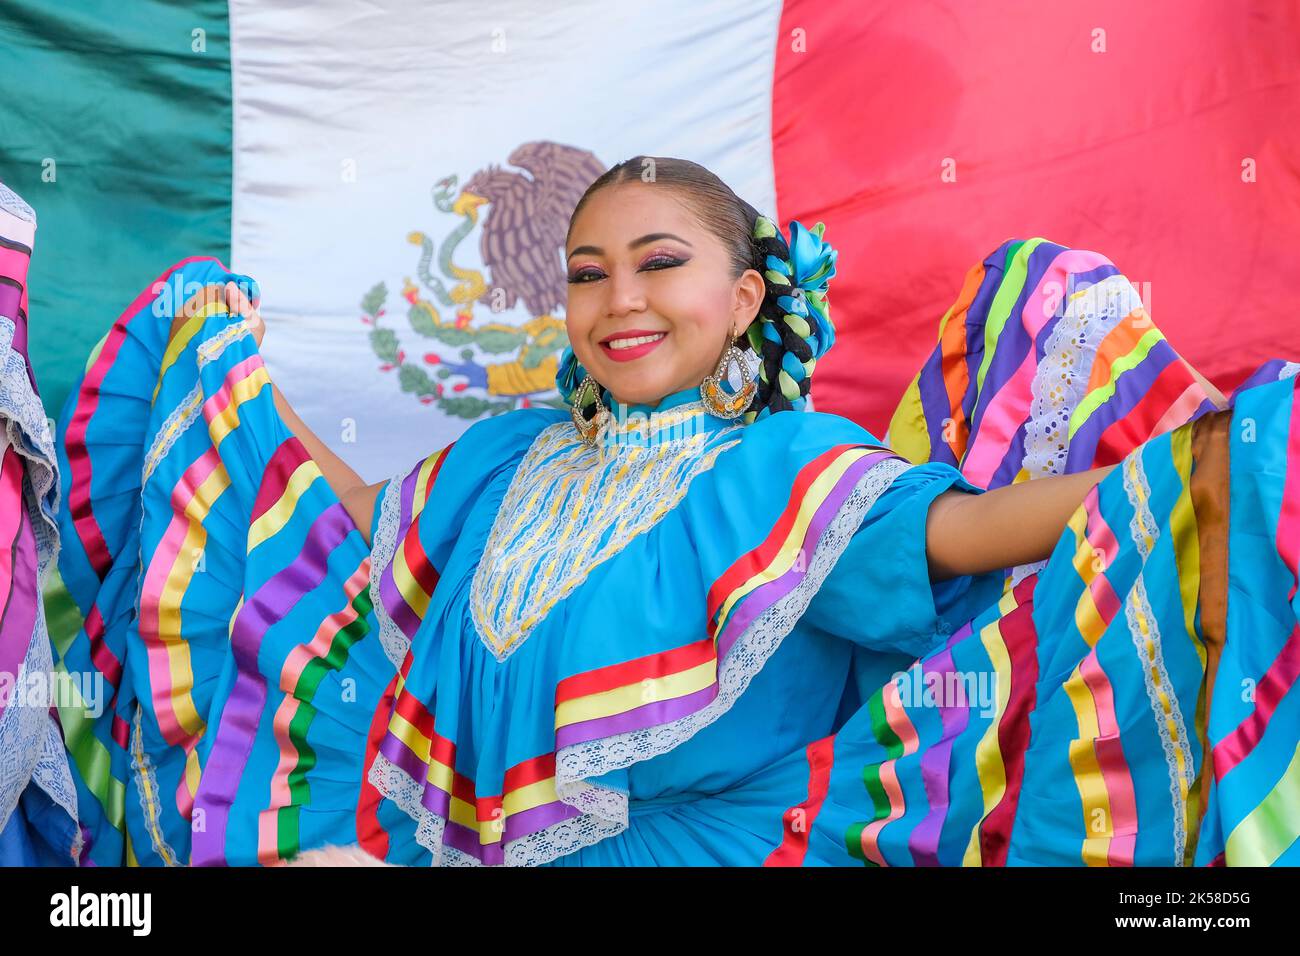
point(236, 301)
point(238, 304)
point(209, 296)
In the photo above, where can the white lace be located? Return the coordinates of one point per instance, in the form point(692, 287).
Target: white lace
point(31, 746)
point(604, 810)
point(1155, 676)
point(542, 546)
point(177, 424)
point(1061, 379)
point(382, 548)
point(146, 786)
point(15, 205)
point(28, 430)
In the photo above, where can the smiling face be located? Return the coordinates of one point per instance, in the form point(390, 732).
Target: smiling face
point(652, 304)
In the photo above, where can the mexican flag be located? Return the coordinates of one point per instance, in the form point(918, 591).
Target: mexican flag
point(397, 175)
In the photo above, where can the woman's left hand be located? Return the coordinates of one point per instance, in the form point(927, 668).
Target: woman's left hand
point(238, 304)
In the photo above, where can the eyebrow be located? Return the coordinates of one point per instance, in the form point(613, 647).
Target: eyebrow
point(648, 237)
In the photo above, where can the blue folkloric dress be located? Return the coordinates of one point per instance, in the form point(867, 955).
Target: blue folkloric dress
point(698, 642)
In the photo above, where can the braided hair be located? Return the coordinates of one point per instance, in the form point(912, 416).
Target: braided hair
point(792, 327)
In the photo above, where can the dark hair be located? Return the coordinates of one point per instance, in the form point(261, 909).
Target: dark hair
point(719, 210)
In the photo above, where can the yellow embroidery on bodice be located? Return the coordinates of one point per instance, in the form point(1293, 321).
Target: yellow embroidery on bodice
point(570, 506)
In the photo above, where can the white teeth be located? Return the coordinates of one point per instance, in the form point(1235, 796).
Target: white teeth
point(632, 343)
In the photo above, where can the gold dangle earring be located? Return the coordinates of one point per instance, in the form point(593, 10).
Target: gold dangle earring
point(585, 393)
point(717, 401)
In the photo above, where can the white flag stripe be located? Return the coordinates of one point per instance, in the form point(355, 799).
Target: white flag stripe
point(348, 115)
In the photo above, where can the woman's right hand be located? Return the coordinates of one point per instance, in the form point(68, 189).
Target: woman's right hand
point(238, 304)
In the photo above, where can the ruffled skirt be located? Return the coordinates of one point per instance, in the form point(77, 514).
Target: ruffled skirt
point(1114, 707)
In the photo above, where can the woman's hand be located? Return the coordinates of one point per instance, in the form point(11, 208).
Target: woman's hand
point(238, 304)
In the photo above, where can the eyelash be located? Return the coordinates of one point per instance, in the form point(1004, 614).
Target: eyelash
point(654, 264)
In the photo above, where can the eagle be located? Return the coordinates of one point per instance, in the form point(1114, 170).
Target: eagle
point(528, 214)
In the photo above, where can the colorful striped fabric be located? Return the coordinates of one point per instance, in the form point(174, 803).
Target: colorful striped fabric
point(173, 451)
point(279, 686)
point(1092, 716)
point(37, 800)
point(1047, 363)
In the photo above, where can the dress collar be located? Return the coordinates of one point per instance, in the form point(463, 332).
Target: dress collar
point(677, 416)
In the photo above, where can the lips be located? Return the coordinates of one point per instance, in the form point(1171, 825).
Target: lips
point(631, 343)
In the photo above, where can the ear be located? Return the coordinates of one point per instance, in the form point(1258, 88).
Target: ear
point(747, 298)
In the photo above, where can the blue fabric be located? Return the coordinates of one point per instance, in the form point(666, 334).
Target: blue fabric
point(39, 833)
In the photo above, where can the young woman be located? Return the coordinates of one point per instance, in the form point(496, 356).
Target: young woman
point(689, 621)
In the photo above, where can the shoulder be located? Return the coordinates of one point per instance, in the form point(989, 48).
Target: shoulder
point(810, 455)
point(501, 439)
point(488, 446)
point(791, 440)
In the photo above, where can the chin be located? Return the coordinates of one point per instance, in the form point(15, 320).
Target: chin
point(644, 388)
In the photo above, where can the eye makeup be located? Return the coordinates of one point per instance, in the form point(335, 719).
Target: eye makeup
point(653, 263)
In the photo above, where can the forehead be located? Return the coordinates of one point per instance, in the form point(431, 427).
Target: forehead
point(616, 214)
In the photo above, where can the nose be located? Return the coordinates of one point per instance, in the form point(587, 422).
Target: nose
point(626, 293)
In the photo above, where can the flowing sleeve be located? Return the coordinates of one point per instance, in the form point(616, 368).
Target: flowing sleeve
point(879, 594)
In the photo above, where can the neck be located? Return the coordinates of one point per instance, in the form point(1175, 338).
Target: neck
point(672, 400)
point(677, 415)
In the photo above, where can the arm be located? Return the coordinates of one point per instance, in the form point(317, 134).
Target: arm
point(358, 498)
point(971, 534)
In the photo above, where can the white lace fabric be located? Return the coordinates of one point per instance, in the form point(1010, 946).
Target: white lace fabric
point(1061, 378)
point(570, 507)
point(382, 549)
point(31, 746)
point(1166, 711)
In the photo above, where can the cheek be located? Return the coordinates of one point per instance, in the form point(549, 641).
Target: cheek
point(699, 317)
point(579, 320)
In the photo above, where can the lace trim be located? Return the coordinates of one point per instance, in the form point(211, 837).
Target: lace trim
point(568, 509)
point(54, 777)
point(1143, 526)
point(747, 655)
point(1061, 379)
point(15, 205)
point(31, 747)
point(555, 841)
point(1022, 571)
point(604, 811)
point(211, 349)
point(186, 413)
point(177, 424)
point(28, 430)
point(382, 548)
point(146, 784)
point(1144, 632)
